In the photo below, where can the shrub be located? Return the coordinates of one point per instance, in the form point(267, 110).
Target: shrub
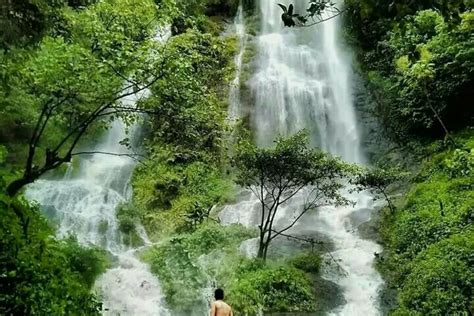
point(89, 263)
point(187, 262)
point(309, 262)
point(430, 240)
point(271, 289)
point(442, 278)
point(40, 275)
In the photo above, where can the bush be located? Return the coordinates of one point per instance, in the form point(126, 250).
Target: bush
point(405, 49)
point(435, 209)
point(441, 279)
point(127, 217)
point(185, 264)
point(89, 263)
point(309, 262)
point(461, 164)
point(40, 275)
point(271, 289)
point(176, 197)
point(429, 241)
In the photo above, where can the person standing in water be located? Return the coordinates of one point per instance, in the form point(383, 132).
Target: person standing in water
point(219, 307)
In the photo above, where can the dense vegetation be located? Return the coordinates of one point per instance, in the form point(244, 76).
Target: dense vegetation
point(417, 57)
point(429, 240)
point(62, 61)
point(41, 275)
point(59, 60)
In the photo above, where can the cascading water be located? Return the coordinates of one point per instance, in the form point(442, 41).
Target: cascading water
point(234, 93)
point(84, 203)
point(303, 81)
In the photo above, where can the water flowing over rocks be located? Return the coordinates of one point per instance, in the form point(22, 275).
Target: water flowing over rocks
point(304, 80)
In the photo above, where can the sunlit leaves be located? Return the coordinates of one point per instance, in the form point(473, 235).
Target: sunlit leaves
point(423, 53)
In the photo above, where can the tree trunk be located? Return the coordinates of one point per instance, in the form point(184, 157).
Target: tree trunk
point(261, 246)
point(265, 250)
point(14, 187)
point(389, 202)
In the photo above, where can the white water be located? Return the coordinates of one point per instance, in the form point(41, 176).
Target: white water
point(303, 80)
point(84, 203)
point(234, 93)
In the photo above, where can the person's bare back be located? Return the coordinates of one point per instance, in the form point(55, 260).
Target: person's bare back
point(219, 307)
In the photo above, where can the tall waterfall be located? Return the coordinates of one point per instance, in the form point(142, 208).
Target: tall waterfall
point(84, 203)
point(303, 81)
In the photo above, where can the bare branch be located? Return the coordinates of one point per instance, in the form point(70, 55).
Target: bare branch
point(122, 76)
point(303, 212)
point(134, 156)
point(324, 20)
point(320, 243)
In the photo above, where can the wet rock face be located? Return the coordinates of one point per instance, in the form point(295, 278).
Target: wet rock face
point(329, 296)
point(367, 223)
point(284, 247)
point(375, 140)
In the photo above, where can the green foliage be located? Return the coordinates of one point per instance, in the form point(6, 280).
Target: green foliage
point(292, 161)
point(309, 262)
point(429, 240)
point(461, 164)
point(271, 289)
point(275, 175)
point(189, 110)
point(41, 275)
point(419, 59)
point(182, 178)
point(72, 82)
point(89, 263)
point(194, 14)
point(128, 217)
point(167, 194)
point(377, 180)
point(23, 22)
point(182, 265)
point(440, 282)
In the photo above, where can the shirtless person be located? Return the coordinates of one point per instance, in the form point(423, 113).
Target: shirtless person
point(219, 307)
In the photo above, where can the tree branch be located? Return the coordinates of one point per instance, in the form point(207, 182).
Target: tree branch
point(319, 242)
point(324, 20)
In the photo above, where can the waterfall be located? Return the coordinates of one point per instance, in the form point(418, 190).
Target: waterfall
point(84, 203)
point(303, 81)
point(234, 93)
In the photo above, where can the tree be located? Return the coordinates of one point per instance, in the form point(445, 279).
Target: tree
point(57, 106)
point(279, 174)
point(317, 12)
point(69, 86)
point(377, 180)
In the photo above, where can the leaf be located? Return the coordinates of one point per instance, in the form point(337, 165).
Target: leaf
point(283, 7)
